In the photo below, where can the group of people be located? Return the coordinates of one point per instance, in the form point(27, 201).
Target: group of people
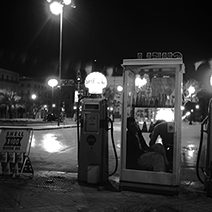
point(154, 156)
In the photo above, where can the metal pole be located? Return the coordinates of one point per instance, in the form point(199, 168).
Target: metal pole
point(60, 50)
point(60, 64)
point(52, 99)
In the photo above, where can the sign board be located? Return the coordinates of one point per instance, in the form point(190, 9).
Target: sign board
point(76, 93)
point(15, 139)
point(152, 55)
point(95, 82)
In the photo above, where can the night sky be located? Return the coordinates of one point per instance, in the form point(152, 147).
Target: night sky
point(105, 31)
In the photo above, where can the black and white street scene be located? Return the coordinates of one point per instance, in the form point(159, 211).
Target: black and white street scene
point(105, 106)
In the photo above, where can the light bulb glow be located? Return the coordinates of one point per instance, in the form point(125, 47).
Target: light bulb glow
point(197, 107)
point(166, 114)
point(53, 82)
point(211, 80)
point(56, 8)
point(33, 96)
point(95, 82)
point(119, 88)
point(67, 2)
point(140, 82)
point(191, 90)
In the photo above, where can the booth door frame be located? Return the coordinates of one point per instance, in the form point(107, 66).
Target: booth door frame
point(149, 177)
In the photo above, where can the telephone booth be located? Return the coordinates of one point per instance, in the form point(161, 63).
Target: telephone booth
point(152, 93)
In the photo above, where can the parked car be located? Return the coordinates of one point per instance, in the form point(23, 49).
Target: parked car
point(53, 117)
point(50, 117)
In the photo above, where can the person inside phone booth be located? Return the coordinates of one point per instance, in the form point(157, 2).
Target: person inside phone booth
point(165, 131)
point(139, 155)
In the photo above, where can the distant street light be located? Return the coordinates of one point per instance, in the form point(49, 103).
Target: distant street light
point(33, 96)
point(53, 82)
point(119, 88)
point(191, 90)
point(56, 7)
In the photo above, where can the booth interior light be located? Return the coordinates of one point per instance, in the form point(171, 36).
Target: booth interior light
point(166, 114)
point(140, 82)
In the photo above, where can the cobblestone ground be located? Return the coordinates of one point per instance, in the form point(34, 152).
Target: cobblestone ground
point(51, 191)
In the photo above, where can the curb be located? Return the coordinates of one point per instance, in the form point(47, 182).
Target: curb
point(53, 127)
point(38, 128)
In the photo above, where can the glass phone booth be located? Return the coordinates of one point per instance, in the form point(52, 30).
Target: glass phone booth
point(152, 98)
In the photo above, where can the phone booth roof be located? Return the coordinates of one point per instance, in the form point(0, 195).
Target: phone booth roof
point(152, 61)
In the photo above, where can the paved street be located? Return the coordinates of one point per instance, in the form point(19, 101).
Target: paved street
point(55, 148)
point(60, 146)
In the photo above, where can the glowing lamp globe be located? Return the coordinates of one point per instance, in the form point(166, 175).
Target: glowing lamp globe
point(67, 2)
point(53, 82)
point(95, 82)
point(56, 7)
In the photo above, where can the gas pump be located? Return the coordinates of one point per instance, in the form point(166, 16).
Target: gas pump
point(206, 127)
point(93, 129)
point(93, 145)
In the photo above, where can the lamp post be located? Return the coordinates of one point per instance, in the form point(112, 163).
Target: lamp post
point(33, 97)
point(52, 83)
point(56, 7)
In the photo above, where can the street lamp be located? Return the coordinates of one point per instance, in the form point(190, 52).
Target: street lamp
point(33, 97)
point(191, 90)
point(52, 83)
point(56, 7)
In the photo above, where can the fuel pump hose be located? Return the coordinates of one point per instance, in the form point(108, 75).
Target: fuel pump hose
point(114, 148)
point(199, 151)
